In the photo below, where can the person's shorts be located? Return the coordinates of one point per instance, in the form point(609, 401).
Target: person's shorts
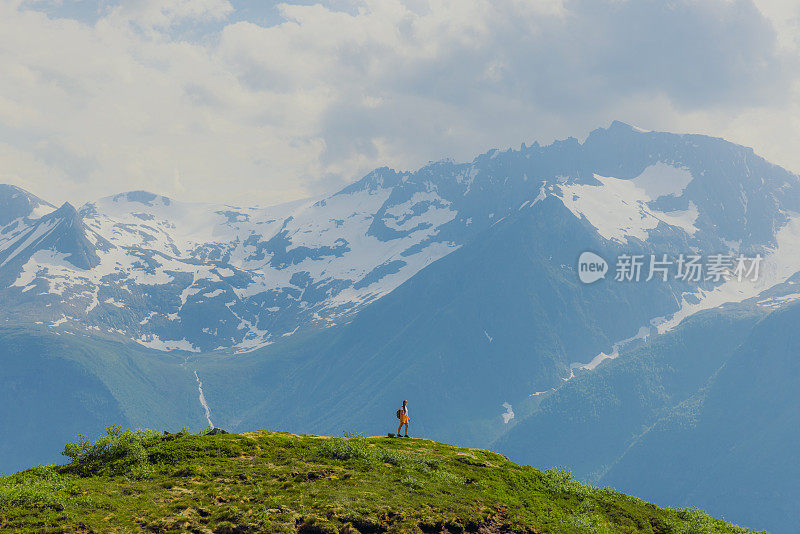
point(403, 419)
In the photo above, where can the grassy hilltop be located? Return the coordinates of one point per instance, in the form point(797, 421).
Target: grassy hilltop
point(132, 481)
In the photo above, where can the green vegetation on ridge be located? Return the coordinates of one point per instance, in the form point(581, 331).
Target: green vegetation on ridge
point(131, 481)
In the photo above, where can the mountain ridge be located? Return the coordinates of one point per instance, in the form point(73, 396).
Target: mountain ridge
point(456, 286)
point(261, 272)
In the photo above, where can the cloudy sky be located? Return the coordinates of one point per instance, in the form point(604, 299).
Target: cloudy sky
point(254, 101)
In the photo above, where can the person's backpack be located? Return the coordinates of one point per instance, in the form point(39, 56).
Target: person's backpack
point(400, 413)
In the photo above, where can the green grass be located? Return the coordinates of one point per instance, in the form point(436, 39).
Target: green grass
point(132, 481)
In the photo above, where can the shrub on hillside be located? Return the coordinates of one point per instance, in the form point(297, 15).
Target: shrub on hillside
point(118, 452)
point(40, 486)
point(349, 447)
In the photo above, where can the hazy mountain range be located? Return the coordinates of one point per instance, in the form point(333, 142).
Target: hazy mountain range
point(455, 287)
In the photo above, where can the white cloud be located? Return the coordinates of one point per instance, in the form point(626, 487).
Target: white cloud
point(149, 14)
point(22, 169)
point(784, 15)
point(185, 98)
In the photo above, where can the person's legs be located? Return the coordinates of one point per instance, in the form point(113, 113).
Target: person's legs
point(406, 429)
point(398, 429)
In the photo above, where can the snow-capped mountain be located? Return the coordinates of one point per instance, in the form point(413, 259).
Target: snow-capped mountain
point(16, 203)
point(200, 277)
point(456, 286)
point(195, 276)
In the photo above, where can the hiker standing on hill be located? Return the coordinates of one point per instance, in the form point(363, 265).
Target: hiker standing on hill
point(402, 413)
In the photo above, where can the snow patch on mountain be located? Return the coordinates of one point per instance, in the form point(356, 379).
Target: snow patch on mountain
point(113, 302)
point(660, 180)
point(41, 210)
point(782, 261)
point(59, 321)
point(152, 341)
point(641, 335)
point(777, 302)
point(37, 233)
point(508, 415)
point(619, 209)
